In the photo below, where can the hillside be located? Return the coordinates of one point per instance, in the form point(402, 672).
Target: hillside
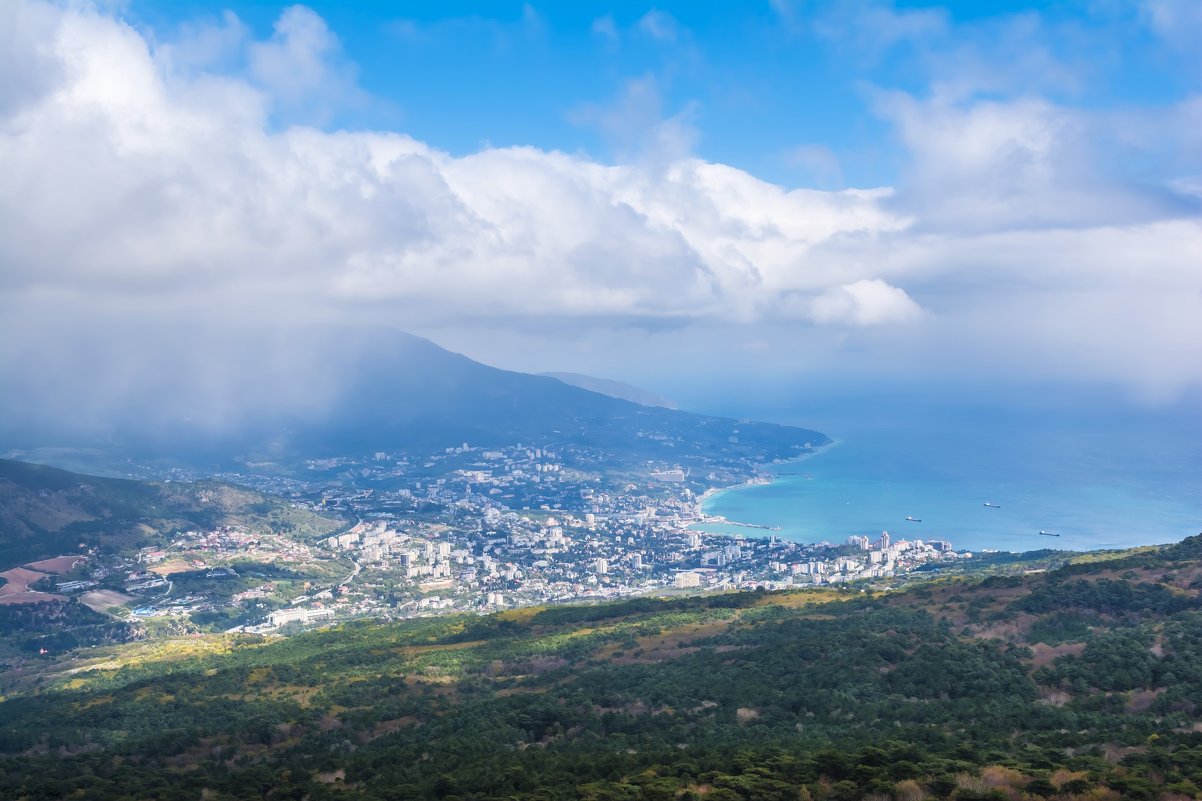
point(402, 391)
point(1079, 683)
point(45, 512)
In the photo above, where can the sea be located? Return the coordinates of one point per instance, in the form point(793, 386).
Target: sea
point(1089, 479)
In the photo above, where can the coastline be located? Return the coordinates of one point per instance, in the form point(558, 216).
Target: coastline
point(758, 480)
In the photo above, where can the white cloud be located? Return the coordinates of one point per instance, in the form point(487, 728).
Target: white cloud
point(995, 165)
point(637, 126)
point(206, 45)
point(865, 302)
point(659, 25)
point(131, 178)
point(606, 28)
point(872, 28)
point(301, 67)
point(135, 186)
point(1179, 22)
point(819, 161)
point(28, 67)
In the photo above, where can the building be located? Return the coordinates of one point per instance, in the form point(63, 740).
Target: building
point(283, 616)
point(686, 580)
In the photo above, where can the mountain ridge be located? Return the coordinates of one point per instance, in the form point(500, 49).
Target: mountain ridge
point(614, 389)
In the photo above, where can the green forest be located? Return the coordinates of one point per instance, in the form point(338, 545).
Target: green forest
point(1083, 682)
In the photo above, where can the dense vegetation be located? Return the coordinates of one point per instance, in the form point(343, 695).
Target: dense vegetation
point(1082, 682)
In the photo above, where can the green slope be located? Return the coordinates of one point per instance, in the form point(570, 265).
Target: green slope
point(1084, 682)
point(45, 512)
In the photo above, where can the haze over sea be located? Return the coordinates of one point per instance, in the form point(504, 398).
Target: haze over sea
point(1098, 479)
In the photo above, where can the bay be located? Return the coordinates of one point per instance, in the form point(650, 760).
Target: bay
point(1088, 478)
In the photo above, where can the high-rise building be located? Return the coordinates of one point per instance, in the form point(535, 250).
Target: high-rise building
point(686, 580)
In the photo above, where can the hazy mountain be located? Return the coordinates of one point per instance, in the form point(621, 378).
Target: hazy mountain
point(401, 391)
point(313, 391)
point(614, 389)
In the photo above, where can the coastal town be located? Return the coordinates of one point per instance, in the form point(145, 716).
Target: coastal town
point(474, 529)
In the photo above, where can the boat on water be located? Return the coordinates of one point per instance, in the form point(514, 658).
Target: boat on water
point(993, 505)
point(913, 519)
point(1047, 534)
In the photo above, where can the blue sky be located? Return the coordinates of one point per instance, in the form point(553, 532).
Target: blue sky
point(760, 85)
point(991, 198)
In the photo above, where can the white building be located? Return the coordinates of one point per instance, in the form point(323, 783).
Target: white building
point(686, 579)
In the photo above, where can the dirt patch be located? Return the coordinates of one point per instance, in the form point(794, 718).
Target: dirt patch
point(174, 566)
point(413, 651)
point(102, 600)
point(329, 723)
point(1114, 753)
point(1047, 654)
point(58, 565)
point(653, 656)
point(1141, 700)
point(1009, 630)
point(388, 727)
point(1053, 696)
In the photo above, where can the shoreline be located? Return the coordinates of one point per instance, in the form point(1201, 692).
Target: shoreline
point(754, 481)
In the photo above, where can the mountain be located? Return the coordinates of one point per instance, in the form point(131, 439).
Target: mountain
point(46, 512)
point(322, 392)
point(614, 389)
point(404, 392)
point(1081, 682)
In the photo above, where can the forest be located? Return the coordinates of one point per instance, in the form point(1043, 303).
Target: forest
point(1083, 682)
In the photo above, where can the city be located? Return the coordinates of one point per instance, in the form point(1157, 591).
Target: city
point(474, 529)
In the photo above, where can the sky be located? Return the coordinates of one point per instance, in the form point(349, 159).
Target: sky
point(986, 197)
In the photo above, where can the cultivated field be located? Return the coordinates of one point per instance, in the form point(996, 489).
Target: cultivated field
point(102, 600)
point(57, 565)
point(16, 588)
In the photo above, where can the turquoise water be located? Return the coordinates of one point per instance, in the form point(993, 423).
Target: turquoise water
point(1098, 481)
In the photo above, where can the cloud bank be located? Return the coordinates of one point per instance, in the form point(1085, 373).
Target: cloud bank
point(151, 180)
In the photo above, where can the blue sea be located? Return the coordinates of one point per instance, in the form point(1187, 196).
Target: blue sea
point(1096, 480)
